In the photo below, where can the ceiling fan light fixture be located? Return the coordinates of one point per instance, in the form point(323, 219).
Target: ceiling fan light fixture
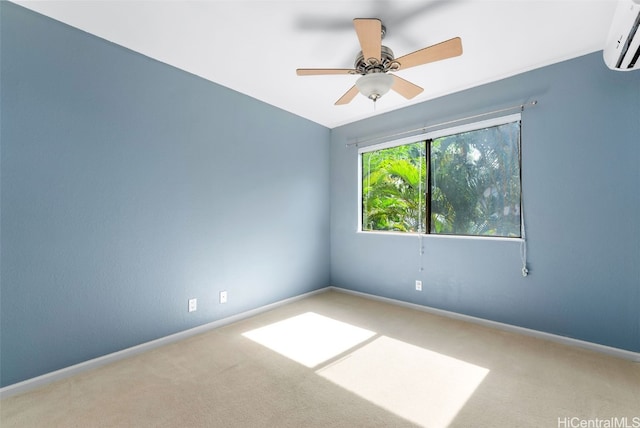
point(374, 85)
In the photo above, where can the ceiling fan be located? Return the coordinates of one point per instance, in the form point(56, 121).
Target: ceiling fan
point(375, 61)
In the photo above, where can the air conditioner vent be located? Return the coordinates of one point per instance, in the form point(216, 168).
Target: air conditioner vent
point(622, 48)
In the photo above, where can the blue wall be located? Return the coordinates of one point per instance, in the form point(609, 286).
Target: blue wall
point(581, 181)
point(128, 187)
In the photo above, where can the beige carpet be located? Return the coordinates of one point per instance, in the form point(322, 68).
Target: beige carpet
point(337, 360)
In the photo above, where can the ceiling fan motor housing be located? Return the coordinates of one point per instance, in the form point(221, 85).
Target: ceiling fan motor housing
point(372, 65)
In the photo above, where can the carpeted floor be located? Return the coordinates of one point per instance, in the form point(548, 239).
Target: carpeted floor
point(338, 360)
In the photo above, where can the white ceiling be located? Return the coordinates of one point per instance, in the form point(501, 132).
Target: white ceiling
point(255, 46)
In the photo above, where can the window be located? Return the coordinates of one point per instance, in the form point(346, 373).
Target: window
point(461, 181)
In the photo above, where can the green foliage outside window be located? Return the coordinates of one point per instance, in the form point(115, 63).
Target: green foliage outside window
point(393, 188)
point(474, 184)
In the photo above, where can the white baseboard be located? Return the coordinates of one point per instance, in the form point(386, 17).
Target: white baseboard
point(47, 378)
point(29, 384)
point(609, 350)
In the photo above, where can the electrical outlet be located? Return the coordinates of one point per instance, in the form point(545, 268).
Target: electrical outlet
point(193, 305)
point(418, 285)
point(223, 297)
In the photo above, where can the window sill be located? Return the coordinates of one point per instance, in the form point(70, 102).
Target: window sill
point(436, 236)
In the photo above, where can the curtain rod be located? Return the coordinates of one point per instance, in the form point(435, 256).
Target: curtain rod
point(520, 107)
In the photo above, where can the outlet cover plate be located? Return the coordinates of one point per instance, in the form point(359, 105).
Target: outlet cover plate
point(223, 297)
point(193, 305)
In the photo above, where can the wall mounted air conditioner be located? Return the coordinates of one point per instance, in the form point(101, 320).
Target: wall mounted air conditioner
point(623, 44)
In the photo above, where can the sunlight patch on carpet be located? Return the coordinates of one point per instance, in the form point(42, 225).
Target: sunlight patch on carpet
point(309, 339)
point(422, 386)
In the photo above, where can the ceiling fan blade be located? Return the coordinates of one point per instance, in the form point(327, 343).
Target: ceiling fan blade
point(444, 50)
point(370, 36)
point(324, 71)
point(348, 96)
point(405, 88)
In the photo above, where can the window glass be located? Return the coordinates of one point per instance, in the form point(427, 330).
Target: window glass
point(464, 183)
point(393, 188)
point(475, 185)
